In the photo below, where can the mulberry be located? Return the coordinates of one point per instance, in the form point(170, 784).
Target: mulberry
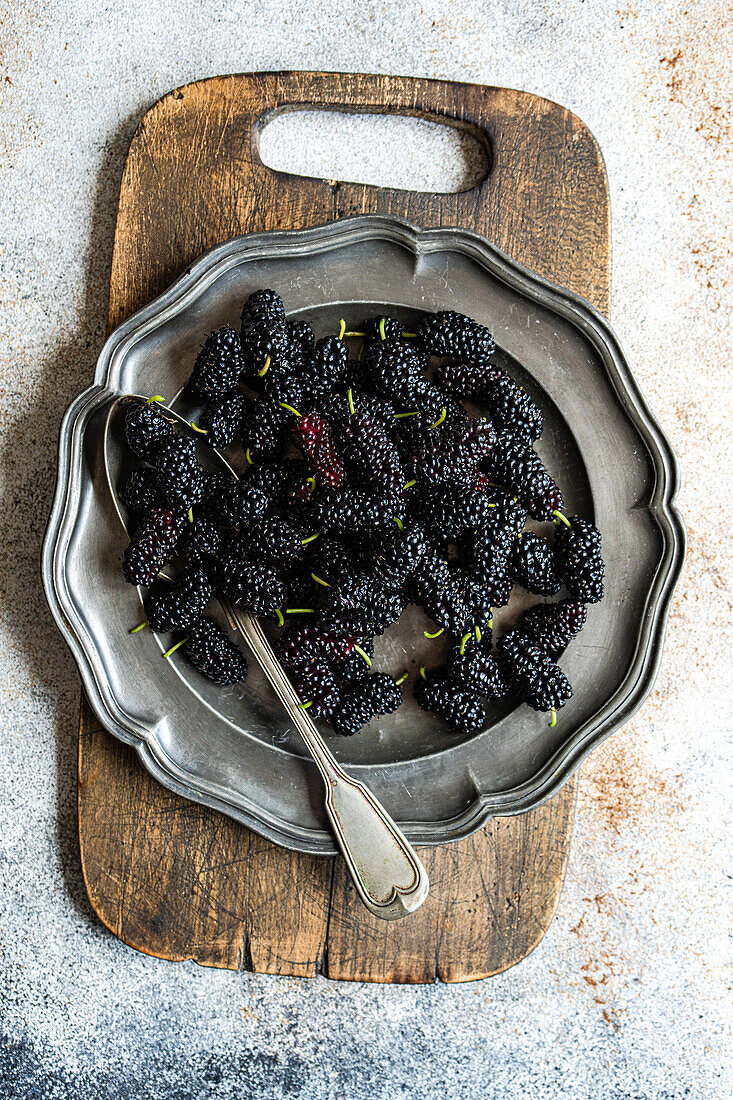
point(264, 332)
point(519, 470)
point(223, 417)
point(253, 587)
point(231, 503)
point(442, 696)
point(141, 493)
point(313, 436)
point(395, 371)
point(533, 565)
point(551, 627)
point(145, 428)
point(477, 669)
point(512, 409)
point(272, 540)
point(152, 545)
point(200, 545)
point(317, 689)
point(371, 457)
point(450, 333)
point(181, 604)
point(210, 650)
point(266, 428)
point(466, 379)
point(578, 559)
point(180, 478)
point(533, 675)
point(219, 365)
point(372, 696)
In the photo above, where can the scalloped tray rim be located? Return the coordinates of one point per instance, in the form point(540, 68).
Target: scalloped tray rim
point(614, 713)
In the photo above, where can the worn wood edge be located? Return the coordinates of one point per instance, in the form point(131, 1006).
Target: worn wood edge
point(571, 784)
point(249, 954)
point(86, 716)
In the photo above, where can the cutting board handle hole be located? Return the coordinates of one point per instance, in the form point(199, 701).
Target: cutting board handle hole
point(381, 150)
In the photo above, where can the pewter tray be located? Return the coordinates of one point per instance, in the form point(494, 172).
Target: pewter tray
point(233, 748)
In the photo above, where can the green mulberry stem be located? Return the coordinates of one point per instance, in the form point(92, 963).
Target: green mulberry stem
point(140, 626)
point(402, 679)
point(290, 408)
point(156, 397)
point(441, 418)
point(350, 398)
point(422, 672)
point(311, 538)
point(553, 719)
point(201, 431)
point(560, 518)
point(300, 610)
point(408, 335)
point(263, 372)
point(173, 648)
point(401, 416)
point(248, 456)
point(304, 706)
point(408, 485)
point(464, 639)
point(382, 332)
point(362, 653)
point(280, 617)
point(427, 634)
point(399, 522)
point(319, 581)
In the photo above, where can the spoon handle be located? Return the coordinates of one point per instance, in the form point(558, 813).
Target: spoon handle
point(387, 872)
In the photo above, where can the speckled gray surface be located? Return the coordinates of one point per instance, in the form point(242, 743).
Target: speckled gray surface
point(628, 995)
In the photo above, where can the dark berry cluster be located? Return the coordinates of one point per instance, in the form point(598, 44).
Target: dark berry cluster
point(368, 485)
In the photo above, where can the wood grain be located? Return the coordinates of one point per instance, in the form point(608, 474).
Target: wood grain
point(180, 881)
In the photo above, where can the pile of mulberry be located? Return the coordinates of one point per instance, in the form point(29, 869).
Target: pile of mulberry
point(391, 462)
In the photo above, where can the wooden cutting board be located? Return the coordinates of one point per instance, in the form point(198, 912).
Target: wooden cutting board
point(181, 881)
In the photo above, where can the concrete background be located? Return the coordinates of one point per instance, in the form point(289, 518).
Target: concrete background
point(627, 996)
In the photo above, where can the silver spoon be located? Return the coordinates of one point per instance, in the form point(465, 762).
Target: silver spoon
point(388, 875)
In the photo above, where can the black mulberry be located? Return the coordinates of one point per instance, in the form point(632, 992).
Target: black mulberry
point(141, 493)
point(370, 697)
point(253, 587)
point(578, 559)
point(264, 332)
point(219, 365)
point(533, 565)
point(533, 675)
point(222, 418)
point(313, 435)
point(180, 478)
point(520, 470)
point(180, 604)
point(152, 545)
point(553, 626)
point(210, 650)
point(442, 696)
point(145, 427)
point(478, 670)
point(450, 333)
